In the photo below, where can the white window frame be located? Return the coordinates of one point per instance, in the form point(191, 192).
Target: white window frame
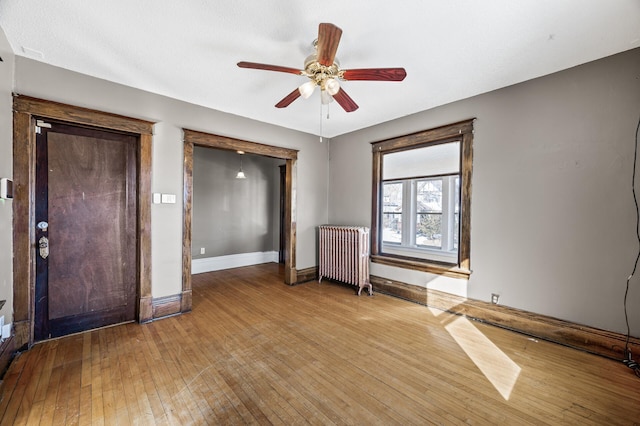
point(408, 246)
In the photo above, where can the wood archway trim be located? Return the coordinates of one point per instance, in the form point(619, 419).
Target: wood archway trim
point(25, 111)
point(194, 138)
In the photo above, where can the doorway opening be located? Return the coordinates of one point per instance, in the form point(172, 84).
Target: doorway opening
point(235, 211)
point(192, 139)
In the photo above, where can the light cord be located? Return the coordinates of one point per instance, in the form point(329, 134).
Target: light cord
point(628, 358)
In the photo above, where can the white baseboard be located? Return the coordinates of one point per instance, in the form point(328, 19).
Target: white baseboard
point(208, 264)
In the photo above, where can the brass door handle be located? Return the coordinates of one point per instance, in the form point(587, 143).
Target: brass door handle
point(43, 245)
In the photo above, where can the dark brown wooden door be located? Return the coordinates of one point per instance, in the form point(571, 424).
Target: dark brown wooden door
point(86, 181)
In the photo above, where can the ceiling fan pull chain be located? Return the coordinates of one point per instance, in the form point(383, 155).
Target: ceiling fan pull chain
point(320, 122)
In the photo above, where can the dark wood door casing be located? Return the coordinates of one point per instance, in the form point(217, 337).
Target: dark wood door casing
point(194, 138)
point(282, 203)
point(25, 111)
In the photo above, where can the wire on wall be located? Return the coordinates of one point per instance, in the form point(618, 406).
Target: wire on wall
point(628, 357)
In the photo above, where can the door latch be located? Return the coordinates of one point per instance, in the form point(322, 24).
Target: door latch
point(43, 244)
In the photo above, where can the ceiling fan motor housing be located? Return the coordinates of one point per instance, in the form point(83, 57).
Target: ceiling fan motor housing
point(320, 73)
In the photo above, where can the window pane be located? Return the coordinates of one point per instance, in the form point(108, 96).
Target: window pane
point(429, 212)
point(392, 213)
point(429, 230)
point(429, 195)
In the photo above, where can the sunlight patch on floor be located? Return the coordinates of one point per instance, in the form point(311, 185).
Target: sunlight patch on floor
point(435, 311)
point(501, 371)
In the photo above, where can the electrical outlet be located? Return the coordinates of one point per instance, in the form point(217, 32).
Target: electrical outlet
point(494, 298)
point(201, 250)
point(6, 331)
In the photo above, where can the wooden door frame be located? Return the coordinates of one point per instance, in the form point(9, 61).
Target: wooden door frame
point(282, 197)
point(194, 138)
point(25, 111)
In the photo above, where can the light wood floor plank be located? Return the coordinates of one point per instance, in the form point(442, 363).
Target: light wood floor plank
point(172, 402)
point(106, 361)
point(9, 383)
point(136, 403)
point(97, 396)
point(210, 396)
point(255, 351)
point(27, 387)
point(153, 381)
point(181, 374)
point(148, 402)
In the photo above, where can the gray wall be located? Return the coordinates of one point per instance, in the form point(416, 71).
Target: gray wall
point(232, 216)
point(44, 81)
point(553, 220)
point(552, 213)
point(6, 171)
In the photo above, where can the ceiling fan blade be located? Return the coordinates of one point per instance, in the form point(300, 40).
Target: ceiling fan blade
point(345, 101)
point(328, 39)
point(286, 101)
point(257, 66)
point(375, 74)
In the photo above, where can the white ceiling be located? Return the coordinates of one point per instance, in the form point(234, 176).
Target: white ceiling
point(188, 49)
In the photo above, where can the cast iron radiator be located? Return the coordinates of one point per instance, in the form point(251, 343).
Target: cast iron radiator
point(344, 255)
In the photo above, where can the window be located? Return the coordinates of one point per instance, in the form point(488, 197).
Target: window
point(392, 210)
point(421, 200)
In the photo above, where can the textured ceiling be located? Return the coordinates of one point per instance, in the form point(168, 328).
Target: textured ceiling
point(188, 49)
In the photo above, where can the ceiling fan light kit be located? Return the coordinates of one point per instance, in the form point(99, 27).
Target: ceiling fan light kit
point(306, 89)
point(325, 97)
point(323, 70)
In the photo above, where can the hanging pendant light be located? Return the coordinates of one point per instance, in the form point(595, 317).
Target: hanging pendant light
point(240, 174)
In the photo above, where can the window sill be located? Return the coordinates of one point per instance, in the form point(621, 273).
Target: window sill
point(421, 265)
point(420, 254)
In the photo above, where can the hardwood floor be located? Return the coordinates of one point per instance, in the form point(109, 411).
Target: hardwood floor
point(255, 351)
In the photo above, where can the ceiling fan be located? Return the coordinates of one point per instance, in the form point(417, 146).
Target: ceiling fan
point(323, 70)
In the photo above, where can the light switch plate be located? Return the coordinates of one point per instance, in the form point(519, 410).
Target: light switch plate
point(157, 198)
point(168, 198)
